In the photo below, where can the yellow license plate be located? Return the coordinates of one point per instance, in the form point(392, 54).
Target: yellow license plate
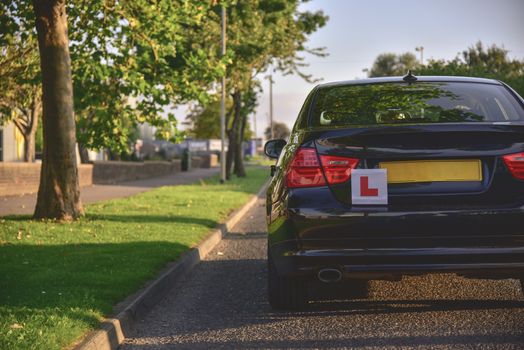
point(433, 171)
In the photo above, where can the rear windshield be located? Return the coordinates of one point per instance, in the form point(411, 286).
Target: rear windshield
point(424, 102)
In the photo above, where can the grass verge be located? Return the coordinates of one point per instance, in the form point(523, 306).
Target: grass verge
point(57, 280)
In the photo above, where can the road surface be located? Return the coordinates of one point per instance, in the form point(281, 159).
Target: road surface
point(223, 305)
point(25, 204)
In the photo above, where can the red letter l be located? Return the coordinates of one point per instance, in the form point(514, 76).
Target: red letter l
point(365, 191)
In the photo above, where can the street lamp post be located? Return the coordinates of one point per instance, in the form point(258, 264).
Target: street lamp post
point(223, 105)
point(421, 50)
point(255, 124)
point(271, 106)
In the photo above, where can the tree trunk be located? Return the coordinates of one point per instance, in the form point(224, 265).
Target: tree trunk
point(33, 115)
point(29, 147)
point(230, 155)
point(84, 154)
point(59, 193)
point(233, 133)
point(240, 170)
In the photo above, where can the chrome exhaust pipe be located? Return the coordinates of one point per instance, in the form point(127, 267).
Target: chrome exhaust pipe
point(329, 275)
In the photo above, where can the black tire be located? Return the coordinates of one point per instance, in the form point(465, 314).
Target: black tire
point(359, 289)
point(284, 292)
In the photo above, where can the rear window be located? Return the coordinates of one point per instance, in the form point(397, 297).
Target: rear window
point(422, 102)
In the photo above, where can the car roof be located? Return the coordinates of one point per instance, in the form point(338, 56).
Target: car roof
point(423, 78)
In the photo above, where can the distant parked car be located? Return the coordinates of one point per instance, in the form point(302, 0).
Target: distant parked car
point(397, 176)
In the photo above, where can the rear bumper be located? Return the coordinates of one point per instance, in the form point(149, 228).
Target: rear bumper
point(391, 264)
point(386, 245)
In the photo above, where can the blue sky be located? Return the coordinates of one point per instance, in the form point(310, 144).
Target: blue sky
point(359, 30)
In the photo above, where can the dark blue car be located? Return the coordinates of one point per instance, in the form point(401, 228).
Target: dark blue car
point(397, 176)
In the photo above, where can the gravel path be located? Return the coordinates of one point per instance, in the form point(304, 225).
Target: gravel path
point(223, 305)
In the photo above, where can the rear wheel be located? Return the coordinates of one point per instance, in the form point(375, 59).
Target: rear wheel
point(285, 292)
point(359, 289)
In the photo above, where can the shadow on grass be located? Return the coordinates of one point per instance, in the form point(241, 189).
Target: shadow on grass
point(135, 218)
point(149, 219)
point(85, 276)
point(62, 290)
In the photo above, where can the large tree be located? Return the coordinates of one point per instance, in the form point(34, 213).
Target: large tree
point(262, 36)
point(58, 194)
point(131, 61)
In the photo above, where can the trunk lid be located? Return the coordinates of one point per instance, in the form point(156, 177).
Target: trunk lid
point(472, 143)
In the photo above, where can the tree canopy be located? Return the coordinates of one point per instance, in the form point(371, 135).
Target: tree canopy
point(21, 98)
point(262, 36)
point(130, 61)
point(280, 131)
point(481, 61)
point(390, 64)
point(204, 121)
point(476, 61)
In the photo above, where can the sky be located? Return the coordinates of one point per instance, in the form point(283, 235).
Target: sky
point(359, 30)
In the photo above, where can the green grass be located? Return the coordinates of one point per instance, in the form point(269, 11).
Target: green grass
point(57, 280)
point(262, 161)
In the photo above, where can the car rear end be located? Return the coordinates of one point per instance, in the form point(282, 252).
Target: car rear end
point(453, 151)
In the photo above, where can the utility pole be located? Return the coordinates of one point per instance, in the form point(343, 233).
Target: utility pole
point(223, 105)
point(421, 50)
point(255, 124)
point(271, 106)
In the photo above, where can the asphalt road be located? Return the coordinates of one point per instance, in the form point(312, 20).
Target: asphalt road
point(223, 305)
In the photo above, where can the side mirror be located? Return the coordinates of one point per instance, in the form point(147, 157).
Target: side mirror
point(273, 148)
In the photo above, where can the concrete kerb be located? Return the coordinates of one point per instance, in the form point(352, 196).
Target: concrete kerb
point(113, 330)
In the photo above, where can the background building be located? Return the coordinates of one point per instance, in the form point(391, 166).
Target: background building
point(11, 144)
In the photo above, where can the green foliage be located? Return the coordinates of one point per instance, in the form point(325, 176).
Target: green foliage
point(59, 280)
point(133, 60)
point(204, 121)
point(280, 131)
point(39, 138)
point(262, 36)
point(269, 32)
point(390, 64)
point(19, 77)
point(477, 61)
point(21, 97)
point(130, 61)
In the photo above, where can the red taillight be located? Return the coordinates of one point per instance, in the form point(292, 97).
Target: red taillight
point(337, 169)
point(515, 164)
point(306, 171)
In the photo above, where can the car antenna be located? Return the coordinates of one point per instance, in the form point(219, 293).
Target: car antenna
point(409, 78)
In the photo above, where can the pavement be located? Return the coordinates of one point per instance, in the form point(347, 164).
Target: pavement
point(25, 204)
point(223, 305)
